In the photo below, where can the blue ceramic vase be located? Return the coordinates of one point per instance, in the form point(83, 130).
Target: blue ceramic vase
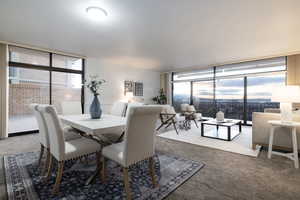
point(95, 108)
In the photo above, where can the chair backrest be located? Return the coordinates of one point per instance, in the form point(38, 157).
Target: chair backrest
point(140, 133)
point(184, 107)
point(55, 130)
point(71, 107)
point(43, 130)
point(119, 109)
point(191, 108)
point(131, 104)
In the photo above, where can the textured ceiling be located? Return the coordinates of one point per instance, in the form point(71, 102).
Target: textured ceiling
point(157, 34)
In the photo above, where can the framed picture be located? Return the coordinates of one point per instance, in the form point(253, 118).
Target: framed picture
point(138, 89)
point(128, 87)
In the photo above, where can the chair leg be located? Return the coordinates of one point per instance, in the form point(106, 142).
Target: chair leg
point(50, 166)
point(58, 177)
point(162, 124)
point(41, 154)
point(168, 125)
point(47, 162)
point(196, 123)
point(174, 124)
point(126, 183)
point(152, 172)
point(103, 169)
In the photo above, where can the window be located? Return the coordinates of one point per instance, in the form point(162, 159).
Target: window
point(28, 56)
point(181, 94)
point(67, 62)
point(203, 97)
point(31, 77)
point(237, 89)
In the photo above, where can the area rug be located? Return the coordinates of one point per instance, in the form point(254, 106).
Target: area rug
point(24, 181)
point(242, 144)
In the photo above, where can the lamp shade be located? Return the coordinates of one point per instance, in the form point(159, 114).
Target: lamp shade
point(286, 94)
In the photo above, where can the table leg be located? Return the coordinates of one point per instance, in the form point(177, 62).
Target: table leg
point(295, 148)
point(229, 133)
point(240, 127)
point(271, 142)
point(202, 129)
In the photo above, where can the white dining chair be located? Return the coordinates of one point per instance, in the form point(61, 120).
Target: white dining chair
point(119, 109)
point(71, 108)
point(62, 150)
point(138, 144)
point(43, 136)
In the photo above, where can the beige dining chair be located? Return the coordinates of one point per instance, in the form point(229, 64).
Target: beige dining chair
point(138, 144)
point(119, 109)
point(61, 150)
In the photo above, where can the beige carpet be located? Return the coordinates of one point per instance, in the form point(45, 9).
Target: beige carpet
point(242, 144)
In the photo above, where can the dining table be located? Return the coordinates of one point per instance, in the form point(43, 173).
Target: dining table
point(95, 129)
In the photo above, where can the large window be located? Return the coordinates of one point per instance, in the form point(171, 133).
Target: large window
point(238, 90)
point(203, 97)
point(43, 78)
point(181, 94)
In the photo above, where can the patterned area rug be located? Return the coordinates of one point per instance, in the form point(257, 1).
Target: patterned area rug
point(24, 181)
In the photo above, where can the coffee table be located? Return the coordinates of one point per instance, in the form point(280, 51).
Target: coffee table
point(221, 134)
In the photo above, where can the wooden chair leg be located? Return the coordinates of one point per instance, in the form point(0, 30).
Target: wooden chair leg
point(103, 169)
point(127, 184)
point(58, 177)
point(162, 124)
point(41, 154)
point(168, 125)
point(44, 172)
point(50, 166)
point(152, 172)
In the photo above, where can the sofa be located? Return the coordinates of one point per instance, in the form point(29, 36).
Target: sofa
point(261, 131)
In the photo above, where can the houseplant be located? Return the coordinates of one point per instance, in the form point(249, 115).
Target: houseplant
point(161, 98)
point(94, 85)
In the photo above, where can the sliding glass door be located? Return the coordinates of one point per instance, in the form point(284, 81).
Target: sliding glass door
point(42, 78)
point(230, 97)
point(203, 97)
point(238, 90)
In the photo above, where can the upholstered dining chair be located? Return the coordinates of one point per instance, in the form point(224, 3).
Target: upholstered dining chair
point(43, 135)
point(62, 150)
point(119, 109)
point(138, 144)
point(71, 107)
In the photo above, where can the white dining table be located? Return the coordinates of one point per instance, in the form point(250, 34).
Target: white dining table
point(84, 123)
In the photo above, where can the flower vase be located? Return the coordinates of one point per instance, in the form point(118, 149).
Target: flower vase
point(95, 108)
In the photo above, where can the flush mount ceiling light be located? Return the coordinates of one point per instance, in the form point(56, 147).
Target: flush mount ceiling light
point(96, 12)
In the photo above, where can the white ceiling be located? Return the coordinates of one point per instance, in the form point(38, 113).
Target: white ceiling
point(157, 34)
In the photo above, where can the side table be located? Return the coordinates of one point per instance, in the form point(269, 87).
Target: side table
point(292, 125)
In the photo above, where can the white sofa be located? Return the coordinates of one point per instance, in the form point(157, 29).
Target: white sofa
point(261, 131)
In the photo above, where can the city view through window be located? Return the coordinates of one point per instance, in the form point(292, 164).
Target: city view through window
point(237, 96)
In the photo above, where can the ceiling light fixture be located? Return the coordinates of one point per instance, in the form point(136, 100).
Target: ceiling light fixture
point(96, 12)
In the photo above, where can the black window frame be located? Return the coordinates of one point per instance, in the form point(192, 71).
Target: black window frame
point(50, 68)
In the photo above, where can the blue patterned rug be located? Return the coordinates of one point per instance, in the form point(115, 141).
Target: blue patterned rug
point(24, 181)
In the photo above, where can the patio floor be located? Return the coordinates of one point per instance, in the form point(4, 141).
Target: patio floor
point(22, 123)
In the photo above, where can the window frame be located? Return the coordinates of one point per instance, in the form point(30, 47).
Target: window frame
point(50, 68)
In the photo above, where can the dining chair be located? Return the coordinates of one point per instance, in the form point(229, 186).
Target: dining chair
point(61, 150)
point(138, 144)
point(43, 136)
point(71, 107)
point(119, 109)
point(168, 117)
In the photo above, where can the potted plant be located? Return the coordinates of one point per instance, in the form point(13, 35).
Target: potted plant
point(94, 85)
point(161, 98)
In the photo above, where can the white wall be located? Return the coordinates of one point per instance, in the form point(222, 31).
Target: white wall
point(115, 75)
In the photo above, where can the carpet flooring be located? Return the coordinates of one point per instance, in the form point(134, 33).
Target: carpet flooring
point(225, 175)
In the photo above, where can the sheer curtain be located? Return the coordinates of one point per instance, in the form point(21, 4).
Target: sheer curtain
point(3, 91)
